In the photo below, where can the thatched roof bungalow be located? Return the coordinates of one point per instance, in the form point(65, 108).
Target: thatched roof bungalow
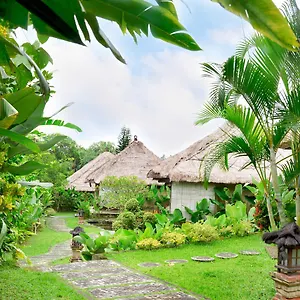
point(182, 171)
point(134, 160)
point(79, 179)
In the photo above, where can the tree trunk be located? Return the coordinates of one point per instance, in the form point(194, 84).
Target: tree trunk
point(297, 185)
point(278, 198)
point(270, 213)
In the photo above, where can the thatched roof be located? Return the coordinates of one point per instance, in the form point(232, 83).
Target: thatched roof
point(79, 179)
point(135, 160)
point(184, 166)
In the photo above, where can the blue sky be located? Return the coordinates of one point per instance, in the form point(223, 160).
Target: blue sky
point(157, 94)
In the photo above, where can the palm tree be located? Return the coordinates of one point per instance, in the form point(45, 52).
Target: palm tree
point(263, 75)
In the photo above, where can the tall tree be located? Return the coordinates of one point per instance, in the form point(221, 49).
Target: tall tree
point(124, 139)
point(95, 149)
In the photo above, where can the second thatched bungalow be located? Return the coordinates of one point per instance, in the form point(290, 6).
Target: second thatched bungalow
point(181, 171)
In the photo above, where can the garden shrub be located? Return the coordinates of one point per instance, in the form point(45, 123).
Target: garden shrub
point(127, 220)
point(203, 233)
point(148, 244)
point(67, 200)
point(149, 217)
point(116, 191)
point(242, 228)
point(132, 205)
point(50, 211)
point(173, 239)
point(226, 231)
point(139, 216)
point(116, 225)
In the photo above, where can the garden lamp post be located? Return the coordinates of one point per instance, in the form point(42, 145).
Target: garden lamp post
point(80, 216)
point(76, 246)
point(287, 277)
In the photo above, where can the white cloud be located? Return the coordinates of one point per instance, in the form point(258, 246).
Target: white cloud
point(157, 96)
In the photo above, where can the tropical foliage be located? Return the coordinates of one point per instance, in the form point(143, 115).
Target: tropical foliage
point(59, 19)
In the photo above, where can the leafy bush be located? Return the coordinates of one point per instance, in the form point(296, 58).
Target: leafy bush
point(132, 205)
point(242, 228)
point(50, 211)
point(66, 200)
point(116, 191)
point(202, 209)
point(161, 195)
point(84, 206)
point(126, 220)
point(203, 233)
point(116, 225)
point(148, 244)
point(150, 218)
point(123, 240)
point(93, 246)
point(172, 239)
point(139, 219)
point(226, 231)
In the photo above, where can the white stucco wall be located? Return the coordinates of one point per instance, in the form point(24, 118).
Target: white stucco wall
point(188, 194)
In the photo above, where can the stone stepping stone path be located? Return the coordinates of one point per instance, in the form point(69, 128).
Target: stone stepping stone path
point(249, 252)
point(106, 279)
point(149, 265)
point(176, 261)
point(203, 258)
point(226, 255)
point(57, 224)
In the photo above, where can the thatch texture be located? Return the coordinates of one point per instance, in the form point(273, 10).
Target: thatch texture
point(79, 179)
point(185, 166)
point(135, 160)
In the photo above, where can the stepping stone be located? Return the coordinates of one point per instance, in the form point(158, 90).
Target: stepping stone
point(249, 252)
point(203, 258)
point(149, 265)
point(176, 261)
point(135, 289)
point(226, 255)
point(119, 279)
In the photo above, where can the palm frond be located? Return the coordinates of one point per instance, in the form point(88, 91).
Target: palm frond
point(289, 114)
point(209, 112)
point(259, 90)
point(248, 124)
point(290, 171)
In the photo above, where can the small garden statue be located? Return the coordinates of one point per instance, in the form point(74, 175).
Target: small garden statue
point(287, 277)
point(76, 246)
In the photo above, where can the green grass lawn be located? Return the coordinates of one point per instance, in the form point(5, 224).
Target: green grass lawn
point(21, 284)
point(72, 222)
point(42, 242)
point(241, 278)
point(46, 238)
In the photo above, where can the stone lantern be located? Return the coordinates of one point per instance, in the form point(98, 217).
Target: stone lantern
point(287, 277)
point(76, 246)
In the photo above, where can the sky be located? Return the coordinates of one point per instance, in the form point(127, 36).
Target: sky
point(157, 94)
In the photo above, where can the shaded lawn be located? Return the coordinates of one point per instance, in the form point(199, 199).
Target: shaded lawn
point(44, 240)
point(17, 283)
point(242, 278)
